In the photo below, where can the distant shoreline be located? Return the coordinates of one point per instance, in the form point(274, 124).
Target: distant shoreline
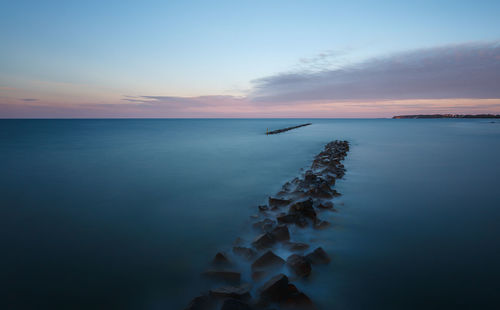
point(447, 116)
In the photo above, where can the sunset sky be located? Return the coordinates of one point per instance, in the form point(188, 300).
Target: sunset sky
point(248, 58)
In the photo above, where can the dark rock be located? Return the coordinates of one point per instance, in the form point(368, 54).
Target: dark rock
point(235, 304)
point(326, 205)
point(299, 265)
point(296, 246)
point(221, 259)
point(263, 208)
point(296, 300)
point(266, 240)
point(318, 257)
point(320, 224)
point(303, 208)
point(281, 233)
point(321, 191)
point(310, 177)
point(258, 275)
point(202, 303)
point(275, 289)
point(238, 241)
point(241, 292)
point(277, 202)
point(268, 260)
point(225, 275)
point(244, 252)
point(301, 222)
point(287, 218)
point(265, 225)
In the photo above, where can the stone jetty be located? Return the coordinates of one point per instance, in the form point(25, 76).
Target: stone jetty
point(286, 129)
point(276, 255)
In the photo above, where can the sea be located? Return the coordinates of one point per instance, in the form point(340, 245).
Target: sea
point(126, 213)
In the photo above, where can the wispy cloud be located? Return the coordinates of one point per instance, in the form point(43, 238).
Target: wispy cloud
point(452, 79)
point(459, 71)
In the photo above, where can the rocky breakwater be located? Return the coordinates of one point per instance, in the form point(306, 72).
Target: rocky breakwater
point(257, 273)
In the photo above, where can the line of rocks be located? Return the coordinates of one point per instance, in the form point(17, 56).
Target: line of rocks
point(286, 129)
point(298, 204)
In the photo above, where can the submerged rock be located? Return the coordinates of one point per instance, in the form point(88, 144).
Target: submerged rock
point(265, 225)
point(263, 208)
point(328, 205)
point(241, 292)
point(296, 246)
point(318, 257)
point(244, 252)
point(320, 224)
point(299, 265)
point(266, 240)
point(268, 260)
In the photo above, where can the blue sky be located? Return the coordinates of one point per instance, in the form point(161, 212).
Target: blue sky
point(109, 49)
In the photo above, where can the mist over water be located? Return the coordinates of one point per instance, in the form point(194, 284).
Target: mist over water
point(127, 213)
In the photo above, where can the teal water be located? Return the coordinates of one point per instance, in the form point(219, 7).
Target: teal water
point(102, 214)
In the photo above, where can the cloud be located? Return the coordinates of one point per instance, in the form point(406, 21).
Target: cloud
point(28, 99)
point(458, 71)
point(184, 102)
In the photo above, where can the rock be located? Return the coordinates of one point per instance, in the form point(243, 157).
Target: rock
point(266, 240)
point(244, 252)
point(318, 257)
point(265, 225)
point(258, 275)
point(320, 224)
point(301, 222)
point(241, 292)
point(225, 275)
point(299, 265)
point(281, 233)
point(286, 218)
point(238, 241)
point(296, 300)
point(328, 205)
point(221, 259)
point(296, 246)
point(275, 289)
point(278, 202)
point(202, 303)
point(310, 177)
point(263, 208)
point(235, 304)
point(303, 208)
point(267, 260)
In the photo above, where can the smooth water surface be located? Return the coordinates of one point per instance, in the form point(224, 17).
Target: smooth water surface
point(102, 214)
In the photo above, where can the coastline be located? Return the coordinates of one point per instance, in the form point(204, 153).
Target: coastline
point(258, 273)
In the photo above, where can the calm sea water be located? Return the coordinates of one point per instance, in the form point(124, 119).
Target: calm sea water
point(107, 214)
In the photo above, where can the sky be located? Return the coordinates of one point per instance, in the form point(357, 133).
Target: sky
point(191, 59)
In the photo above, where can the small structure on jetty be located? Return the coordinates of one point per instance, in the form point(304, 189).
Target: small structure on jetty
point(285, 129)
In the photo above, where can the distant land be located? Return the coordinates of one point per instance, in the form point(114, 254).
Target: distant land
point(447, 116)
